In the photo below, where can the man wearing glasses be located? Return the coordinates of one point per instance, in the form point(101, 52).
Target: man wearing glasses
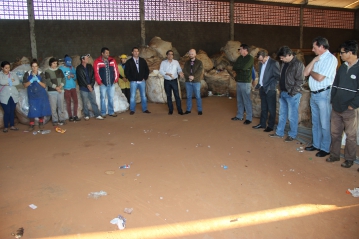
point(321, 71)
point(345, 99)
point(136, 71)
point(170, 69)
point(290, 85)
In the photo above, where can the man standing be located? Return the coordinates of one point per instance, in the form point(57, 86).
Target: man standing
point(137, 71)
point(193, 71)
point(106, 74)
point(290, 84)
point(170, 69)
point(345, 99)
point(55, 81)
point(268, 79)
point(321, 71)
point(243, 67)
point(123, 82)
point(70, 88)
point(86, 81)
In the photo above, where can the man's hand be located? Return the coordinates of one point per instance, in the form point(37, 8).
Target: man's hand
point(317, 58)
point(191, 78)
point(350, 108)
point(124, 79)
point(181, 74)
point(69, 77)
point(90, 88)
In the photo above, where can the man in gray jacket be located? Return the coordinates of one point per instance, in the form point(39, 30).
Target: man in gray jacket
point(290, 85)
point(268, 75)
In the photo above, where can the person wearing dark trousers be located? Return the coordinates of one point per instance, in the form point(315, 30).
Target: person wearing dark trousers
point(345, 101)
point(268, 80)
point(137, 71)
point(9, 95)
point(170, 69)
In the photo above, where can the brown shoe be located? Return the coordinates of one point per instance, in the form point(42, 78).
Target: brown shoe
point(332, 159)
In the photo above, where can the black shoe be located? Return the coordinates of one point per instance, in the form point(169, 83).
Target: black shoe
point(132, 112)
point(321, 153)
point(77, 118)
point(187, 112)
point(332, 159)
point(199, 112)
point(311, 148)
point(235, 118)
point(170, 112)
point(258, 126)
point(146, 111)
point(347, 164)
point(180, 113)
point(247, 122)
point(113, 115)
point(71, 119)
point(268, 129)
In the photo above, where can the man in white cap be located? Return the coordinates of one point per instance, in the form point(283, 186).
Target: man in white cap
point(123, 81)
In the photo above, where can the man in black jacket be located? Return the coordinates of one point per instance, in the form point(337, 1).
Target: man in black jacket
point(345, 99)
point(136, 71)
point(86, 81)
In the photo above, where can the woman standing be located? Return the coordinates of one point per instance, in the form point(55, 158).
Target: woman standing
point(39, 105)
point(9, 95)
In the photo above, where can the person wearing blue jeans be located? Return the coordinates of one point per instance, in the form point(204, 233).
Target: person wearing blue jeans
point(193, 71)
point(244, 68)
point(106, 75)
point(137, 71)
point(141, 85)
point(321, 71)
point(290, 85)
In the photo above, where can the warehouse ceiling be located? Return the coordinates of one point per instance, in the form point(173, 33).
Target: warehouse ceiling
point(347, 4)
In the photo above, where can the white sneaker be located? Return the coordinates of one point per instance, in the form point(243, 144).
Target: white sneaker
point(87, 118)
point(99, 117)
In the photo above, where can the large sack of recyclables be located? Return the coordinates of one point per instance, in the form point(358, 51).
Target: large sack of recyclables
point(155, 90)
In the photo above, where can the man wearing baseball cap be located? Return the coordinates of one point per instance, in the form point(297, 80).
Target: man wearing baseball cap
point(123, 81)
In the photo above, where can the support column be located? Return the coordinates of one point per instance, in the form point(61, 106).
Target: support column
point(30, 12)
point(142, 20)
point(301, 23)
point(231, 19)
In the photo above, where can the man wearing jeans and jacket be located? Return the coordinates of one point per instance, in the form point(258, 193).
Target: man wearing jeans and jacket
point(321, 71)
point(290, 84)
point(106, 74)
point(137, 71)
point(193, 70)
point(243, 67)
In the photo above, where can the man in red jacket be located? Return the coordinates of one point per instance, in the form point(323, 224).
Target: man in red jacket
point(106, 75)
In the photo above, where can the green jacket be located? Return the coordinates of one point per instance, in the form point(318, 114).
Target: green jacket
point(243, 67)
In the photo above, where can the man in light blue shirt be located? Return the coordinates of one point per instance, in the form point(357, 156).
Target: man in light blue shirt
point(321, 71)
point(170, 69)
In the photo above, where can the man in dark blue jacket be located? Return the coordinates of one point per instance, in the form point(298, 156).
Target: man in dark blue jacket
point(136, 71)
point(345, 99)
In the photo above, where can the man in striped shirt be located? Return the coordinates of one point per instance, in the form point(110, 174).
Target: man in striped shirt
point(321, 71)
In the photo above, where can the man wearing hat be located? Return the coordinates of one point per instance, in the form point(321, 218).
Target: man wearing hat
point(86, 81)
point(70, 88)
point(123, 82)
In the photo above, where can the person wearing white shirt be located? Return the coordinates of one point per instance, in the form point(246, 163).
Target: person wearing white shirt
point(321, 71)
point(170, 69)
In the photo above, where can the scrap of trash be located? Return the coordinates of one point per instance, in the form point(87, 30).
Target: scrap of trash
point(59, 130)
point(33, 206)
point(125, 166)
point(354, 192)
point(96, 195)
point(128, 210)
point(120, 221)
point(19, 233)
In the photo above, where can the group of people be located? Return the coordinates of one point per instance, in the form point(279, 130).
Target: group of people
point(334, 96)
point(47, 90)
